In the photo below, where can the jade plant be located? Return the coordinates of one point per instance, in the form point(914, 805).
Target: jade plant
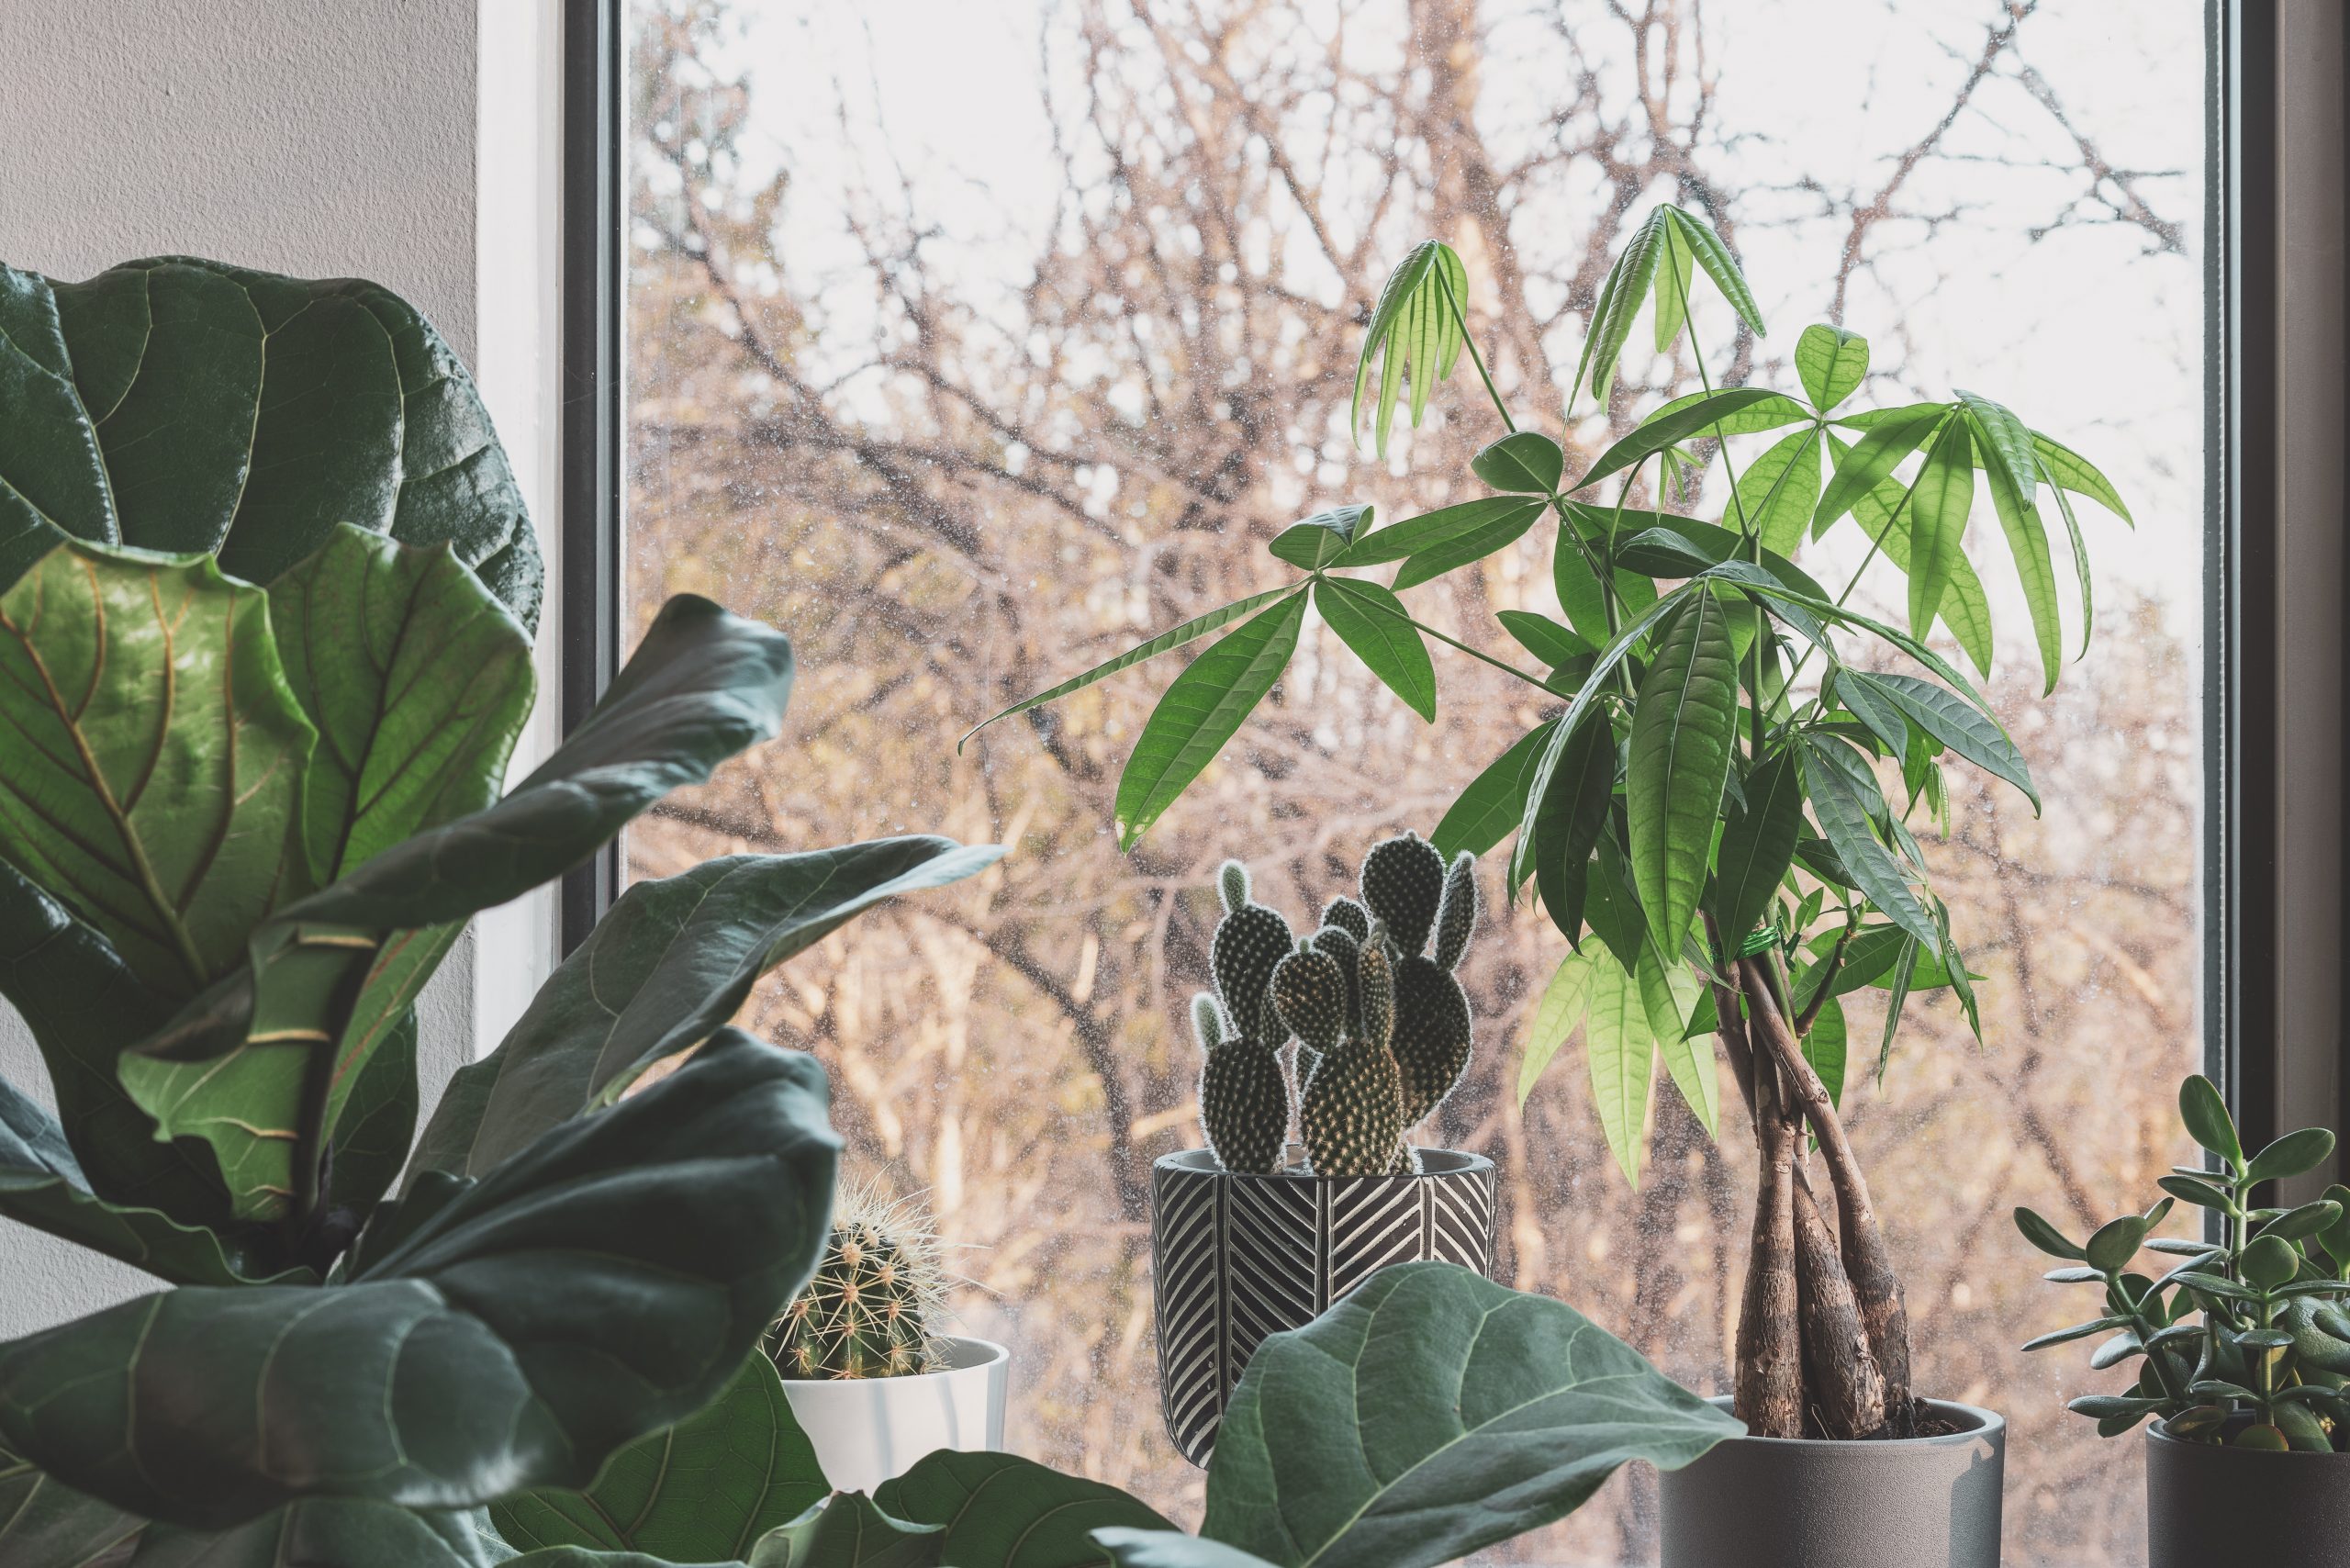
point(1383, 1030)
point(872, 1306)
point(2246, 1340)
point(1342, 1448)
point(1702, 806)
point(266, 594)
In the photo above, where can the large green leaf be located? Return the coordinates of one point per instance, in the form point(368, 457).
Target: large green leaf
point(41, 1184)
point(1844, 811)
point(1564, 1003)
point(153, 770)
point(1883, 515)
point(340, 968)
point(1619, 1049)
point(1200, 710)
point(1371, 620)
point(1432, 1413)
point(1778, 492)
point(417, 681)
point(183, 405)
point(704, 1490)
point(1959, 725)
point(1873, 458)
point(1939, 502)
point(329, 1530)
point(1578, 710)
point(851, 1532)
point(488, 1336)
point(1831, 363)
point(1415, 328)
point(1758, 846)
point(996, 1511)
point(672, 960)
point(2010, 469)
point(1567, 824)
point(1682, 729)
point(45, 1525)
point(1441, 530)
point(1680, 421)
point(1481, 815)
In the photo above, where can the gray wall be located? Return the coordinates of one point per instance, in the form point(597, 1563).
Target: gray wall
point(321, 138)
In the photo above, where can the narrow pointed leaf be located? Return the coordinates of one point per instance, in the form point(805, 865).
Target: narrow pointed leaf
point(1620, 298)
point(1620, 1051)
point(1315, 542)
point(1825, 1049)
point(1463, 548)
point(2080, 557)
point(1883, 515)
point(1673, 271)
point(1686, 718)
point(2012, 499)
point(1939, 503)
point(1412, 329)
point(1872, 458)
point(1714, 257)
point(1758, 846)
point(1201, 710)
point(1525, 461)
point(1440, 529)
point(1561, 1012)
point(1175, 637)
point(2068, 470)
point(1844, 817)
point(1668, 995)
point(1572, 719)
point(1371, 620)
point(1957, 725)
point(1568, 822)
point(1778, 490)
point(1484, 813)
point(1696, 416)
point(1544, 638)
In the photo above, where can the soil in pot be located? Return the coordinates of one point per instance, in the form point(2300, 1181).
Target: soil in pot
point(1809, 1503)
point(2211, 1503)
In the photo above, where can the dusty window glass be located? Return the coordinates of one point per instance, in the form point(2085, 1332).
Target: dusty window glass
point(970, 340)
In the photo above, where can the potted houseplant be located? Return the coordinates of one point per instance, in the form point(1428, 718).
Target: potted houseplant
point(1257, 1232)
point(1344, 1449)
point(2242, 1351)
point(253, 793)
point(1709, 830)
point(870, 1379)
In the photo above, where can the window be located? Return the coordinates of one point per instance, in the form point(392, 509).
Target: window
point(970, 342)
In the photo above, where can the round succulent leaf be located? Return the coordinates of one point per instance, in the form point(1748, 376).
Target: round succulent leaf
point(2268, 1261)
point(2292, 1155)
point(1402, 883)
point(2205, 1113)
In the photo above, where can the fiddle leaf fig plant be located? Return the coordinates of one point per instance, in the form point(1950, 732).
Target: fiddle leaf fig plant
point(1715, 806)
point(241, 820)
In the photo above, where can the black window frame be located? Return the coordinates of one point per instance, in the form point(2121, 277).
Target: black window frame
point(2242, 978)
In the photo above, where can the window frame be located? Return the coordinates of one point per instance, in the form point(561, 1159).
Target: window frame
point(2248, 991)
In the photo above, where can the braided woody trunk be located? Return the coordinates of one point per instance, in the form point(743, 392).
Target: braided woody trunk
point(1823, 1334)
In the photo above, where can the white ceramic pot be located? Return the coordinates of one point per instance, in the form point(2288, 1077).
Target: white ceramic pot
point(868, 1429)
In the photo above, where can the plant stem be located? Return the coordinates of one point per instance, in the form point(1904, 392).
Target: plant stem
point(1461, 321)
point(1473, 652)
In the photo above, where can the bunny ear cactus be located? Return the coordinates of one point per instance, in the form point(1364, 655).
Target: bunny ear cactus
point(1351, 1118)
point(1402, 883)
point(1244, 1098)
point(1434, 1032)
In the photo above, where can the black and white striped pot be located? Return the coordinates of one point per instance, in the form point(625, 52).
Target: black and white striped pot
point(1238, 1257)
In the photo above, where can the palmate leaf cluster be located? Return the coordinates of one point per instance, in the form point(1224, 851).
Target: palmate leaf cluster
point(2246, 1339)
point(1428, 1415)
point(251, 789)
point(1711, 777)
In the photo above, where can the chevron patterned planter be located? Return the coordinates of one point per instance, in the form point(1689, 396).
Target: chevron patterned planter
point(1234, 1258)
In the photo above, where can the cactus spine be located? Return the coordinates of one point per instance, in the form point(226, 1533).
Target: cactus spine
point(869, 1308)
point(1244, 1098)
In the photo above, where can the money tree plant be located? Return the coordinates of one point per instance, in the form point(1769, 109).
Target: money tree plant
point(2246, 1340)
point(1703, 808)
point(265, 599)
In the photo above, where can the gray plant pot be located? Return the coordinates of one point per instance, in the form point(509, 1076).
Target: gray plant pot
point(1238, 1257)
point(2207, 1504)
point(1805, 1503)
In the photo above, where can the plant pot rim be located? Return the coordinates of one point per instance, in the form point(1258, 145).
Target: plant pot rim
point(1985, 1424)
point(2157, 1433)
point(1433, 1162)
point(962, 1355)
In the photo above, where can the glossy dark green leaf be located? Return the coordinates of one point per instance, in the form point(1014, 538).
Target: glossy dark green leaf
point(1485, 814)
point(1175, 637)
point(1620, 297)
point(1568, 822)
point(674, 960)
point(343, 965)
point(1959, 725)
point(1200, 710)
point(1371, 620)
point(851, 1532)
point(1684, 720)
point(1758, 846)
point(1844, 812)
point(704, 1490)
point(1416, 328)
point(334, 1531)
point(45, 1525)
point(1459, 549)
point(1315, 542)
point(2114, 1243)
point(1443, 528)
point(1579, 710)
point(488, 1336)
point(1871, 459)
point(1432, 1413)
point(1770, 413)
point(1831, 363)
point(2077, 1331)
point(416, 680)
point(42, 1185)
point(153, 772)
point(1881, 718)
point(1544, 638)
point(1939, 503)
point(182, 404)
point(1684, 421)
point(1000, 1511)
point(1523, 460)
point(2205, 1113)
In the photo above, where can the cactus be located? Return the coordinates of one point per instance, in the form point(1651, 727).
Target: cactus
point(869, 1309)
point(1352, 1119)
point(1347, 916)
point(1244, 1098)
point(1403, 882)
point(1434, 1031)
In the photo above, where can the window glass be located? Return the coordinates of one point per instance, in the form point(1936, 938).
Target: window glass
point(972, 341)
